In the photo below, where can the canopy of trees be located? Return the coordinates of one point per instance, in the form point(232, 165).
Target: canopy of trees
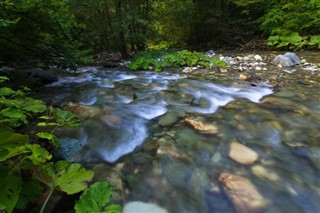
point(65, 32)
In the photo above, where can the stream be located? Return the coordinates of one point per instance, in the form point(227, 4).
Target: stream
point(172, 139)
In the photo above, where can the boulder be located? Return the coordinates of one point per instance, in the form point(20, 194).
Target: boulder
point(287, 60)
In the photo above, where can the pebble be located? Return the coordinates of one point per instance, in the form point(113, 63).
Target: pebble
point(242, 154)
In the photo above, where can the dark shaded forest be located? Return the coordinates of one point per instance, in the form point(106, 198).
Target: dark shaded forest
point(69, 32)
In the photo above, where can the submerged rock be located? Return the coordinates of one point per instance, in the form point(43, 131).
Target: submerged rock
point(140, 207)
point(242, 154)
point(287, 60)
point(82, 111)
point(169, 119)
point(202, 126)
point(242, 193)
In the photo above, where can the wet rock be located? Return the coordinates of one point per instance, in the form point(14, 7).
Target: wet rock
point(210, 53)
point(141, 207)
point(265, 173)
point(258, 58)
point(69, 148)
point(199, 181)
point(243, 77)
point(207, 128)
point(169, 119)
point(242, 193)
point(242, 154)
point(187, 70)
point(82, 111)
point(287, 60)
point(187, 137)
point(284, 104)
point(176, 174)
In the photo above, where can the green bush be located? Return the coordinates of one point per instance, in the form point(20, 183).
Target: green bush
point(159, 60)
point(26, 167)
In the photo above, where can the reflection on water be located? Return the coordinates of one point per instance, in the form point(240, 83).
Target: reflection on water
point(179, 132)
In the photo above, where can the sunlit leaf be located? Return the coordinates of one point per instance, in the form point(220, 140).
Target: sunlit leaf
point(5, 91)
point(66, 119)
point(33, 105)
point(38, 154)
point(45, 135)
point(69, 178)
point(96, 198)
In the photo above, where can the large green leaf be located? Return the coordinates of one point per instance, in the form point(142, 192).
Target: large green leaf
point(33, 105)
point(113, 208)
point(96, 199)
point(8, 153)
point(30, 191)
point(14, 113)
point(38, 154)
point(5, 91)
point(69, 178)
point(8, 138)
point(10, 186)
point(65, 118)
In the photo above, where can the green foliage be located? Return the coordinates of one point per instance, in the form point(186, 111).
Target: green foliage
point(288, 24)
point(159, 60)
point(293, 41)
point(10, 186)
point(40, 30)
point(22, 163)
point(96, 199)
point(68, 177)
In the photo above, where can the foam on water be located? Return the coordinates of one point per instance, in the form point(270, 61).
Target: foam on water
point(133, 103)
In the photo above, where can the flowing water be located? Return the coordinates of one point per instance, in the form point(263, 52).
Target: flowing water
point(164, 138)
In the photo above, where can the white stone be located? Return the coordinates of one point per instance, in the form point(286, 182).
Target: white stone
point(258, 58)
point(140, 207)
point(258, 68)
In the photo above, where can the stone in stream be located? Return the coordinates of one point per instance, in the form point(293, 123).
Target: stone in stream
point(202, 126)
point(169, 119)
point(141, 207)
point(287, 60)
point(82, 111)
point(242, 154)
point(242, 193)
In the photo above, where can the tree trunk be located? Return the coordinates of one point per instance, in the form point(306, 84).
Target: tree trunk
point(121, 38)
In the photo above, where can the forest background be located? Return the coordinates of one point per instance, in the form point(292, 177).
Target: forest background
point(69, 32)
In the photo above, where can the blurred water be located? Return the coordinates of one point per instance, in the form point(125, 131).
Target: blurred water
point(181, 174)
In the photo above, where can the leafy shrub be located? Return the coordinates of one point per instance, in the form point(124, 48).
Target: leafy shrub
point(25, 166)
point(293, 41)
point(159, 60)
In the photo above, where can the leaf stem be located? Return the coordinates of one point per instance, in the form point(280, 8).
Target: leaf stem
point(46, 201)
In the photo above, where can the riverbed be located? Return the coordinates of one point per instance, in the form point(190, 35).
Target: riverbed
point(176, 139)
